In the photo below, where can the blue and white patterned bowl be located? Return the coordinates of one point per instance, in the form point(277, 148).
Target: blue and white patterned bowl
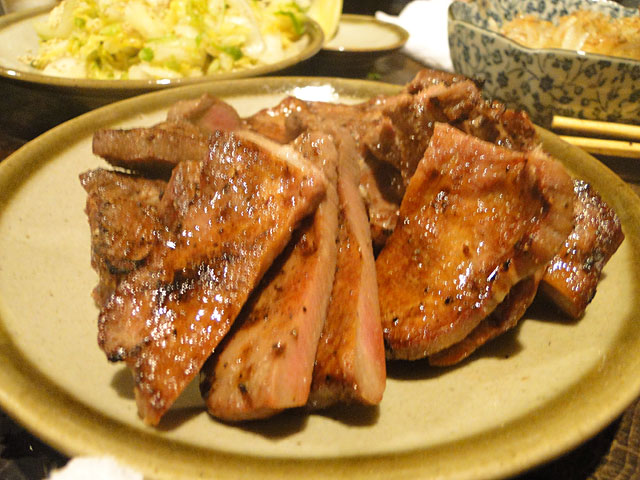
point(544, 82)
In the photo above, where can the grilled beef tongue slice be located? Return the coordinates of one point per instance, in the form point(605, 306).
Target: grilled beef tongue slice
point(155, 150)
point(350, 362)
point(475, 220)
point(206, 112)
point(124, 217)
point(266, 362)
point(152, 151)
point(393, 131)
point(166, 317)
point(503, 318)
point(572, 275)
point(275, 123)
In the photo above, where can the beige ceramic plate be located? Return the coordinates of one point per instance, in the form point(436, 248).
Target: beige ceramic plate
point(529, 396)
point(18, 37)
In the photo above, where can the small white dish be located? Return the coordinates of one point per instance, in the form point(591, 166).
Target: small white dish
point(359, 41)
point(366, 34)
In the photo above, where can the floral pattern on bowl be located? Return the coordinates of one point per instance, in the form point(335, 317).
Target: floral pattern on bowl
point(544, 82)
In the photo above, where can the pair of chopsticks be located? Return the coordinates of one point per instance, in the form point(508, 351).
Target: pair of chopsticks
point(621, 140)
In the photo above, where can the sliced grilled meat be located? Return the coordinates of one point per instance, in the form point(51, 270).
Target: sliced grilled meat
point(207, 113)
point(125, 222)
point(153, 150)
point(266, 364)
point(503, 318)
point(475, 220)
point(401, 129)
point(572, 275)
point(350, 362)
point(275, 122)
point(428, 77)
point(380, 182)
point(392, 132)
point(166, 317)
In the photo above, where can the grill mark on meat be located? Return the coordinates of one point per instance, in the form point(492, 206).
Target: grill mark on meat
point(508, 206)
point(573, 274)
point(266, 363)
point(125, 222)
point(165, 318)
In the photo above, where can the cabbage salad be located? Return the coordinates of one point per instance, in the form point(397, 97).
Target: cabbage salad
point(149, 39)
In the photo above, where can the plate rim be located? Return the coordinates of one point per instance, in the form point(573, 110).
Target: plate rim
point(29, 397)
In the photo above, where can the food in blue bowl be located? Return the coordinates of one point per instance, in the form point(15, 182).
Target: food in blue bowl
point(547, 81)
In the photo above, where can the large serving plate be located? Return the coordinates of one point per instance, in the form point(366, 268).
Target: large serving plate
point(533, 394)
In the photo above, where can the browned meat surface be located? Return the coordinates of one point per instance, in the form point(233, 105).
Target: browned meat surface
point(152, 150)
point(167, 316)
point(266, 363)
point(400, 133)
point(475, 220)
point(292, 116)
point(207, 113)
point(489, 121)
point(275, 123)
point(392, 132)
point(399, 129)
point(495, 123)
point(572, 275)
point(428, 77)
point(503, 318)
point(125, 223)
point(350, 362)
point(380, 182)
point(466, 211)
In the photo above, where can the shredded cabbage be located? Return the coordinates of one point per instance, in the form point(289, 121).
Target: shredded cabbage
point(137, 39)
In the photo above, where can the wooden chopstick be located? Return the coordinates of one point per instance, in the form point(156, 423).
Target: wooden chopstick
point(608, 129)
point(601, 146)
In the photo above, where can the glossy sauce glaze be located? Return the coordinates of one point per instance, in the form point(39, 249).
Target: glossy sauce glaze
point(475, 220)
point(230, 216)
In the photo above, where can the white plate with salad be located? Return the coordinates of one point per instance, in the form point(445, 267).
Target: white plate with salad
point(125, 47)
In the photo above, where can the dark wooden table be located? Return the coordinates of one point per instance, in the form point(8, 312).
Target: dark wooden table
point(612, 454)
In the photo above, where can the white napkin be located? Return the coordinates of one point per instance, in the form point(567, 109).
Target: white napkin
point(94, 468)
point(426, 22)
